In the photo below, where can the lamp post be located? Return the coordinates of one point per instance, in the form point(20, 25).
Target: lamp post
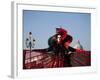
point(30, 43)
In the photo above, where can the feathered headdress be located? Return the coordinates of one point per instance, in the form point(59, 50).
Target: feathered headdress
point(61, 32)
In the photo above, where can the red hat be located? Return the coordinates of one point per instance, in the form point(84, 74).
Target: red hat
point(62, 32)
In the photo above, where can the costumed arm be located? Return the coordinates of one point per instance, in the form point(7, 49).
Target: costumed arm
point(75, 50)
point(80, 51)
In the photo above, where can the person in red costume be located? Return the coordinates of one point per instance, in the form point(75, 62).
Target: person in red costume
point(60, 45)
point(55, 41)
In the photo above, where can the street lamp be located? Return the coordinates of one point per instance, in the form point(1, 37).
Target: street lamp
point(30, 43)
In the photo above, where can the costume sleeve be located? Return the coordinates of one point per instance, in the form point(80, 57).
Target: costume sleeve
point(71, 49)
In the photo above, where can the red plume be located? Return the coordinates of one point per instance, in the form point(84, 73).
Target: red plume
point(62, 32)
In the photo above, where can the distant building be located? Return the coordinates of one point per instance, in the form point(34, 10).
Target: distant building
point(78, 45)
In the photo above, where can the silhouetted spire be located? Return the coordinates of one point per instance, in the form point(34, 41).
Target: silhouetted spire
point(78, 45)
